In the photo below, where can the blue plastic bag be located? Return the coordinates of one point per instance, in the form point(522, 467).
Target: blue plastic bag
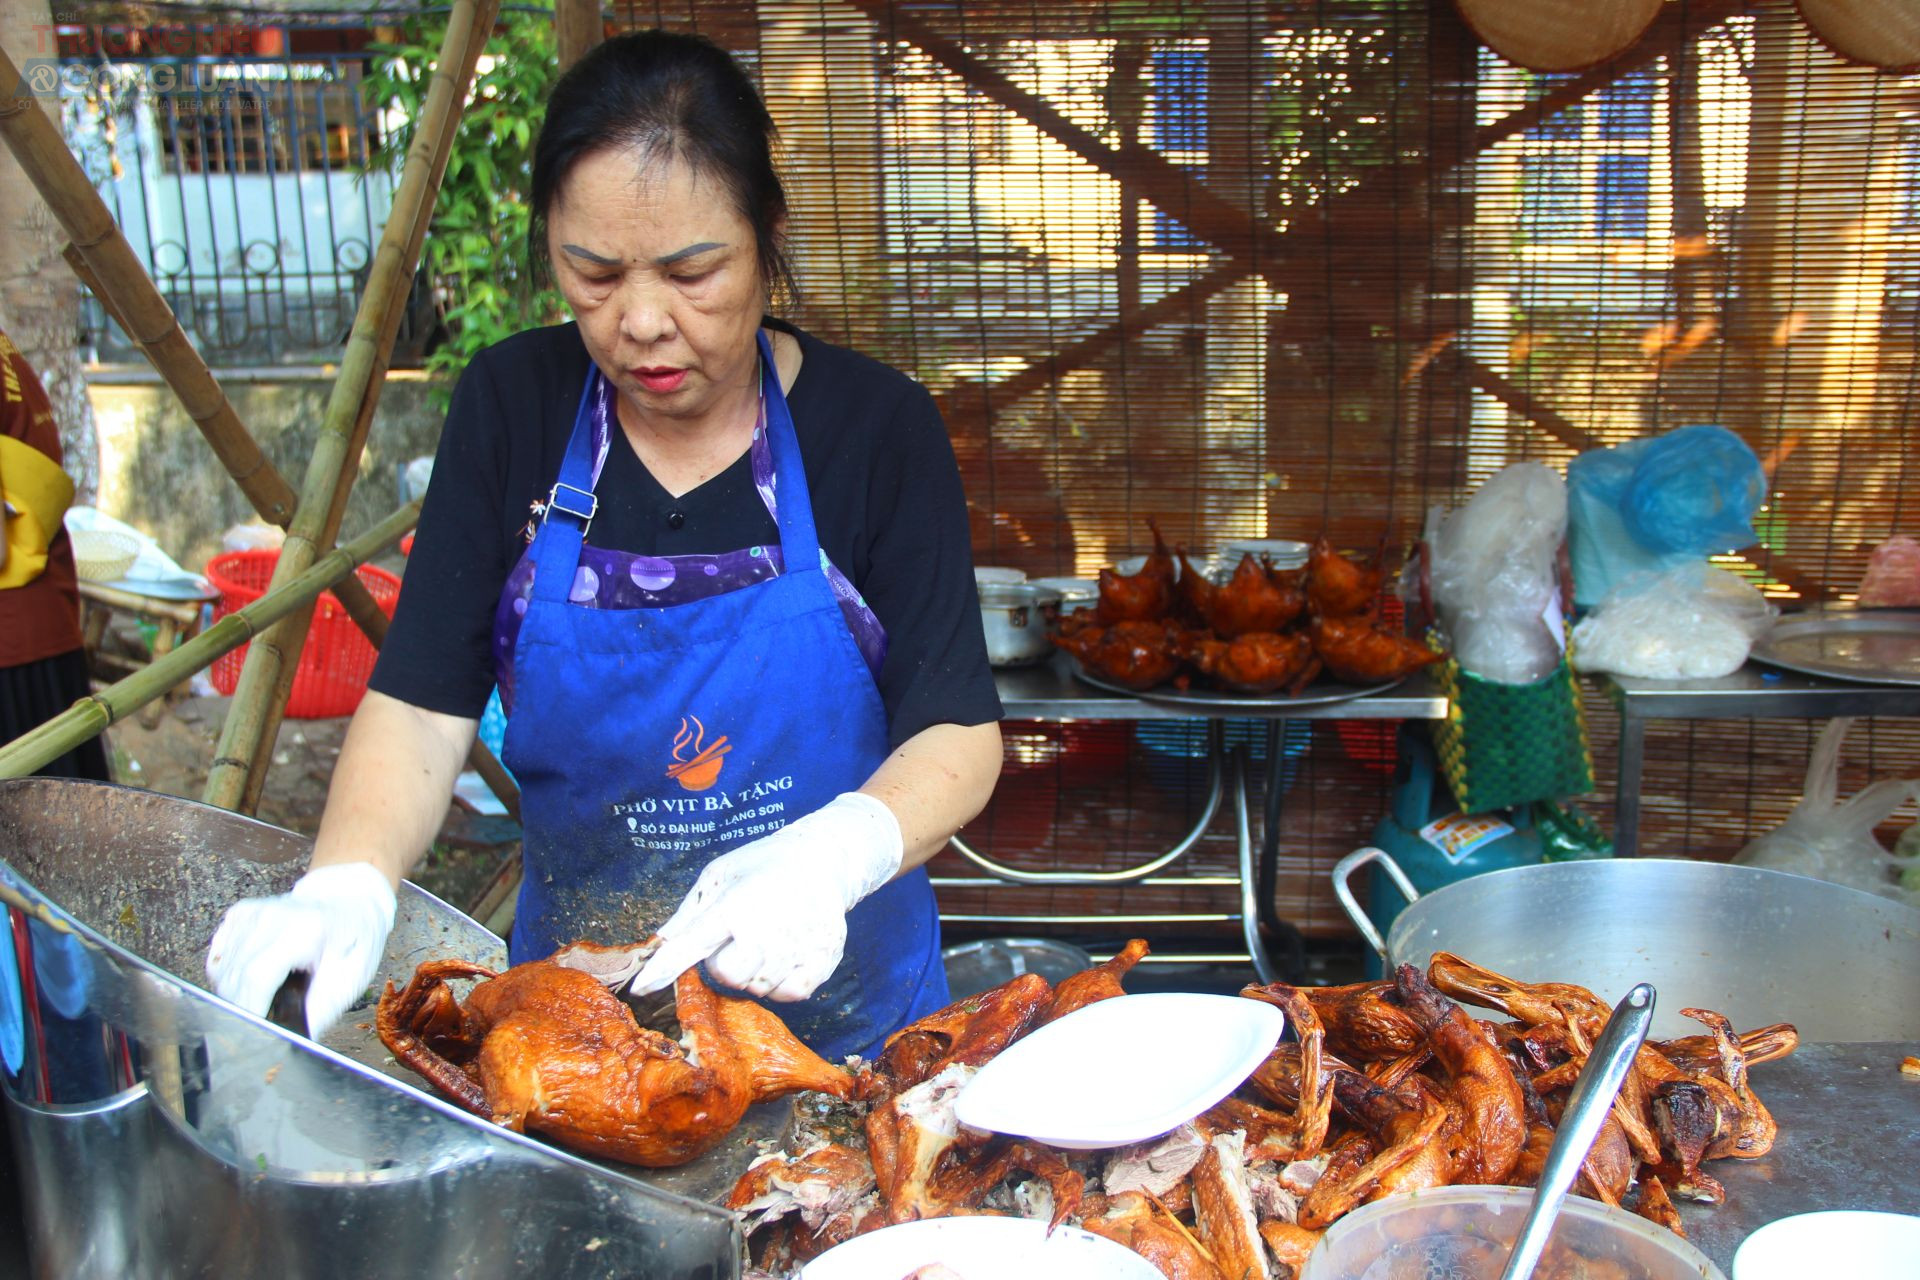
point(1650, 504)
point(1694, 492)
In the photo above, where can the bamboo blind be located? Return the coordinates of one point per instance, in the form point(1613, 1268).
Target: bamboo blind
point(1278, 267)
point(1269, 269)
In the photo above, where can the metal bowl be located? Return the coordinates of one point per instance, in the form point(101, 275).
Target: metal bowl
point(973, 967)
point(1017, 617)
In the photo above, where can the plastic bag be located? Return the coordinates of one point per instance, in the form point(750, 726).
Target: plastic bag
point(1495, 582)
point(1694, 492)
point(1833, 841)
point(1893, 574)
point(253, 535)
point(1690, 622)
point(1568, 833)
point(1652, 503)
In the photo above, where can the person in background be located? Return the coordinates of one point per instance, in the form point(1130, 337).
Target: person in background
point(43, 660)
point(720, 571)
point(43, 669)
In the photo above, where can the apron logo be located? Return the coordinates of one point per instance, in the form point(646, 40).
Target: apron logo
point(700, 770)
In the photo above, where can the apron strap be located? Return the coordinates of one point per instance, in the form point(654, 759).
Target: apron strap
point(571, 503)
point(556, 543)
point(799, 542)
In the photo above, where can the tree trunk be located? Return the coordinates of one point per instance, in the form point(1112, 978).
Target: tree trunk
point(39, 297)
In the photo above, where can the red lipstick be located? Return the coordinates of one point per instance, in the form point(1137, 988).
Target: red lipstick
point(659, 380)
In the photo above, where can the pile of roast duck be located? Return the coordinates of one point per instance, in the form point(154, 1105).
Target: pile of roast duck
point(1262, 631)
point(1381, 1087)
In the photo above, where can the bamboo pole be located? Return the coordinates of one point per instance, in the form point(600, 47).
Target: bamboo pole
point(130, 296)
point(360, 605)
point(91, 715)
point(240, 764)
point(108, 268)
point(576, 29)
point(81, 268)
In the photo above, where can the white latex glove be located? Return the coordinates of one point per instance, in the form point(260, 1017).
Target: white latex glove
point(333, 924)
point(770, 918)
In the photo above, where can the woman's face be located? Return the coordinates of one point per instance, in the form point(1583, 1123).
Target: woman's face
point(663, 276)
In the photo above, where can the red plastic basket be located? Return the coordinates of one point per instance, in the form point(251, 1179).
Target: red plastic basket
point(336, 660)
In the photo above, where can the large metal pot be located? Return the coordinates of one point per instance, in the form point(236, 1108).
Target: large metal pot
point(1017, 618)
point(1759, 946)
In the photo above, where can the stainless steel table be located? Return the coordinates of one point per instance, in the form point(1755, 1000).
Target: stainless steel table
point(1849, 1130)
point(1753, 692)
point(1051, 692)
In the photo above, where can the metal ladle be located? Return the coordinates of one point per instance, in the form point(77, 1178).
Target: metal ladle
point(1593, 1093)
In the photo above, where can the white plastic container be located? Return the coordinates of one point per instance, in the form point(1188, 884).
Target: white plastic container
point(1466, 1233)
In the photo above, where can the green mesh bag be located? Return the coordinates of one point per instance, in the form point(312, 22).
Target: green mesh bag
point(1503, 745)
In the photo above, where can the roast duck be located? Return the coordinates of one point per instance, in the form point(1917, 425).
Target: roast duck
point(1262, 631)
point(1380, 1087)
point(547, 1047)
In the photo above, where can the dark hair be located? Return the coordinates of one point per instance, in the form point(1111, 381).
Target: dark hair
point(666, 94)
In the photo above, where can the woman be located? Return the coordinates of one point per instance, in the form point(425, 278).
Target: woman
point(757, 700)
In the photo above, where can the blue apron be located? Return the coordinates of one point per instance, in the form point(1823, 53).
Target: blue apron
point(648, 741)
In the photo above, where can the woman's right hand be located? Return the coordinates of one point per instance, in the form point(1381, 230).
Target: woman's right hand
point(333, 924)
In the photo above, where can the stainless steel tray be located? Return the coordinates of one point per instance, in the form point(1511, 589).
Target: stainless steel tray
point(1321, 693)
point(1876, 646)
point(161, 1132)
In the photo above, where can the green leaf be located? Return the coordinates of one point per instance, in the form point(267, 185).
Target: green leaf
point(473, 249)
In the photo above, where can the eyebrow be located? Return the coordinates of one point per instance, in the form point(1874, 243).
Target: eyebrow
point(688, 252)
point(590, 255)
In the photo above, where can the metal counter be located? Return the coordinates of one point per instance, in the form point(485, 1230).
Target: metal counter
point(1753, 692)
point(1849, 1137)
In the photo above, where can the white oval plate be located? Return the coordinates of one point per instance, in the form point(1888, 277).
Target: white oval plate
point(1121, 1070)
point(983, 574)
point(981, 1249)
point(1855, 1243)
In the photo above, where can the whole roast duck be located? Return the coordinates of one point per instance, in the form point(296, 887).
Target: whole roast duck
point(548, 1047)
point(1262, 631)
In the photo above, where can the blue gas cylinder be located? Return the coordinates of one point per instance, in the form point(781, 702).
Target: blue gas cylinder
point(1434, 843)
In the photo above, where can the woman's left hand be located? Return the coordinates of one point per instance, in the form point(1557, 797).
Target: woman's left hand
point(770, 918)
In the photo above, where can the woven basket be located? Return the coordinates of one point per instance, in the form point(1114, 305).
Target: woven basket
point(102, 555)
point(1503, 745)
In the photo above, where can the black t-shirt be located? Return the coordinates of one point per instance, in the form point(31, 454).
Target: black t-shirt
point(886, 501)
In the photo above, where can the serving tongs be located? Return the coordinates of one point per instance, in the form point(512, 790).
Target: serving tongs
point(1593, 1093)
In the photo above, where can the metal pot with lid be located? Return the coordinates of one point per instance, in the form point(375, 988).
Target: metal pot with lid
point(1018, 620)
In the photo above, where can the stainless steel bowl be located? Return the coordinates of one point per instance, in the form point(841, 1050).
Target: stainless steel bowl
point(1017, 617)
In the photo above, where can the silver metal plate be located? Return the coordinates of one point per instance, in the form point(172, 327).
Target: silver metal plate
point(1877, 646)
point(1318, 694)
